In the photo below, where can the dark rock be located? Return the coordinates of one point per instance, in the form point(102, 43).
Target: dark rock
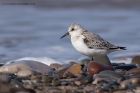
point(125, 66)
point(117, 64)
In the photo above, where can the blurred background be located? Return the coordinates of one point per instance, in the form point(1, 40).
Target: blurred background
point(32, 28)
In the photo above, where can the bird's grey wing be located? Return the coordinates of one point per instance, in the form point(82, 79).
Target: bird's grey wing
point(95, 41)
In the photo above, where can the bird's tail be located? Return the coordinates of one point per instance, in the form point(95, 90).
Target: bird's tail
point(122, 48)
point(119, 48)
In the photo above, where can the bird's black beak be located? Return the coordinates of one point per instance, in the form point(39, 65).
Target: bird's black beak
point(64, 35)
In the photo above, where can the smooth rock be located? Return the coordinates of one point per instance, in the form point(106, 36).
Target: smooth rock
point(136, 60)
point(74, 70)
point(5, 78)
point(110, 74)
point(137, 90)
point(68, 89)
point(14, 86)
point(102, 59)
point(25, 68)
point(130, 83)
point(94, 68)
point(47, 79)
point(86, 79)
point(5, 88)
point(107, 76)
point(43, 60)
point(123, 91)
point(78, 83)
point(56, 66)
point(134, 71)
point(51, 90)
point(89, 89)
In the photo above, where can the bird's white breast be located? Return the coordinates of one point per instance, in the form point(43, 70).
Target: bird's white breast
point(81, 47)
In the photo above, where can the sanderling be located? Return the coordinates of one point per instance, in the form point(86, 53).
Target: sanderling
point(89, 43)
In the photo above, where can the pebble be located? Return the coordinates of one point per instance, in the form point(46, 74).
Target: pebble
point(78, 83)
point(94, 68)
point(71, 78)
point(102, 59)
point(134, 71)
point(56, 66)
point(73, 70)
point(125, 66)
point(130, 83)
point(123, 91)
point(25, 68)
point(136, 60)
point(89, 88)
point(137, 90)
point(107, 76)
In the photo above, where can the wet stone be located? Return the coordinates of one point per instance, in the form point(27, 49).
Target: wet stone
point(136, 60)
point(56, 66)
point(107, 80)
point(5, 77)
point(47, 80)
point(73, 70)
point(25, 68)
point(78, 83)
point(125, 66)
point(137, 89)
point(117, 64)
point(130, 83)
point(89, 88)
point(134, 71)
point(94, 68)
point(123, 91)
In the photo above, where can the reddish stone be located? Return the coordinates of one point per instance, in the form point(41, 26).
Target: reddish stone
point(94, 68)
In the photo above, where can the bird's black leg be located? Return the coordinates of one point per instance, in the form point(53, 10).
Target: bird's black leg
point(92, 58)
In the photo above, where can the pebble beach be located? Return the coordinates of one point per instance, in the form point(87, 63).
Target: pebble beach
point(33, 58)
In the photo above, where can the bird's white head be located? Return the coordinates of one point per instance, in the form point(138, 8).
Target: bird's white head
point(74, 30)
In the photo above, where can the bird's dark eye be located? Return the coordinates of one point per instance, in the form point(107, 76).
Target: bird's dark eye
point(72, 29)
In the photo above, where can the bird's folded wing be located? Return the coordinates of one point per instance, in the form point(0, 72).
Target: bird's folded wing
point(95, 41)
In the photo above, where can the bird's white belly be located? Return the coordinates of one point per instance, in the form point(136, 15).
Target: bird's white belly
point(81, 47)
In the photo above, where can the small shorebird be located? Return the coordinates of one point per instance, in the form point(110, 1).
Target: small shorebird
point(89, 43)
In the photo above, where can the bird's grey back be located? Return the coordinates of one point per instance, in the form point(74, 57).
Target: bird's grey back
point(93, 40)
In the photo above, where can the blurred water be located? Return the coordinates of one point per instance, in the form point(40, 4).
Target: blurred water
point(29, 31)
